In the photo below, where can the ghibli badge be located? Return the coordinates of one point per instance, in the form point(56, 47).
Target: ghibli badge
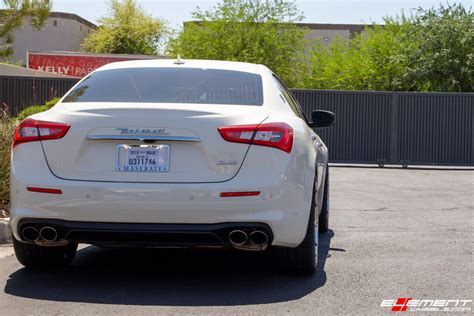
point(226, 163)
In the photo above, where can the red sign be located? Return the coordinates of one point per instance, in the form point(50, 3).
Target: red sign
point(76, 65)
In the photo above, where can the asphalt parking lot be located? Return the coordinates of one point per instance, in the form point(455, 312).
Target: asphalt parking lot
point(394, 233)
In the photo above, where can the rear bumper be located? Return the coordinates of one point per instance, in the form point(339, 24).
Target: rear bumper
point(284, 212)
point(145, 234)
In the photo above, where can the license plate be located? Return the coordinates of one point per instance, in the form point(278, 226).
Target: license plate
point(143, 158)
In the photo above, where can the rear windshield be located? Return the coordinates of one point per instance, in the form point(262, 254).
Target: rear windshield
point(169, 85)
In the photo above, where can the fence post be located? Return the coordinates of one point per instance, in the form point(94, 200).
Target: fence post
point(394, 130)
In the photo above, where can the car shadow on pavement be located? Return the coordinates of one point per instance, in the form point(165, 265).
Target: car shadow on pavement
point(168, 277)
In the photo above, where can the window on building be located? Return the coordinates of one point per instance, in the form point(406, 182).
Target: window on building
point(80, 28)
point(55, 23)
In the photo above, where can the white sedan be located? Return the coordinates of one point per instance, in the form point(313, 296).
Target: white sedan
point(171, 153)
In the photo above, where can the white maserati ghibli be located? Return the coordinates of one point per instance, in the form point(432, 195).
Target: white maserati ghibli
point(171, 153)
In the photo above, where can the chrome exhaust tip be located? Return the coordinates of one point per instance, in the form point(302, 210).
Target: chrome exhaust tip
point(30, 234)
point(238, 237)
point(48, 233)
point(258, 238)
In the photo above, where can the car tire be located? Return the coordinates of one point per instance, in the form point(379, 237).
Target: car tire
point(323, 223)
point(34, 256)
point(303, 258)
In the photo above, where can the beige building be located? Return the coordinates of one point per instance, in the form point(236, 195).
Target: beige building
point(66, 32)
point(62, 32)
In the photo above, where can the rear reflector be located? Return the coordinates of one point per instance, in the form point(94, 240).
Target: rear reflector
point(31, 130)
point(277, 135)
point(245, 193)
point(44, 190)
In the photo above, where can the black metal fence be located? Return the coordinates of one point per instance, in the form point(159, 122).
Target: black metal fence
point(371, 127)
point(17, 93)
point(396, 127)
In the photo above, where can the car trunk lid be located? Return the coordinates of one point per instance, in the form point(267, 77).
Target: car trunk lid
point(183, 138)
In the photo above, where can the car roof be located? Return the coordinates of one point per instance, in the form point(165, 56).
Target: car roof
point(184, 63)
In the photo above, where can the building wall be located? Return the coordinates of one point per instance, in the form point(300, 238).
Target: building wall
point(61, 33)
point(327, 33)
point(326, 37)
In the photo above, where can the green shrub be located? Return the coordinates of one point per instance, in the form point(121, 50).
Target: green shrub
point(36, 109)
point(7, 128)
point(30, 111)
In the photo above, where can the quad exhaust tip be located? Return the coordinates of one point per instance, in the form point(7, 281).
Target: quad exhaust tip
point(238, 237)
point(255, 241)
point(30, 234)
point(259, 238)
point(48, 233)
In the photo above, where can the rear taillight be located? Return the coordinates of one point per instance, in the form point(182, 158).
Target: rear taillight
point(277, 135)
point(31, 130)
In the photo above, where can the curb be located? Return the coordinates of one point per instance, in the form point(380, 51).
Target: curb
point(5, 231)
point(399, 166)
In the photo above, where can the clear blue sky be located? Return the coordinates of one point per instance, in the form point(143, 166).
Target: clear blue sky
point(316, 11)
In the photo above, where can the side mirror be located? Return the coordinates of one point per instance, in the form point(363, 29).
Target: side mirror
point(322, 118)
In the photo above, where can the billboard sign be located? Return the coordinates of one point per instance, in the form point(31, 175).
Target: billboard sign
point(76, 64)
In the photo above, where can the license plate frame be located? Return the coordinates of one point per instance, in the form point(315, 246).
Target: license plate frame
point(124, 150)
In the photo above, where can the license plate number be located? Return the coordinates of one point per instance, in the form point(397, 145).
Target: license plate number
point(142, 158)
